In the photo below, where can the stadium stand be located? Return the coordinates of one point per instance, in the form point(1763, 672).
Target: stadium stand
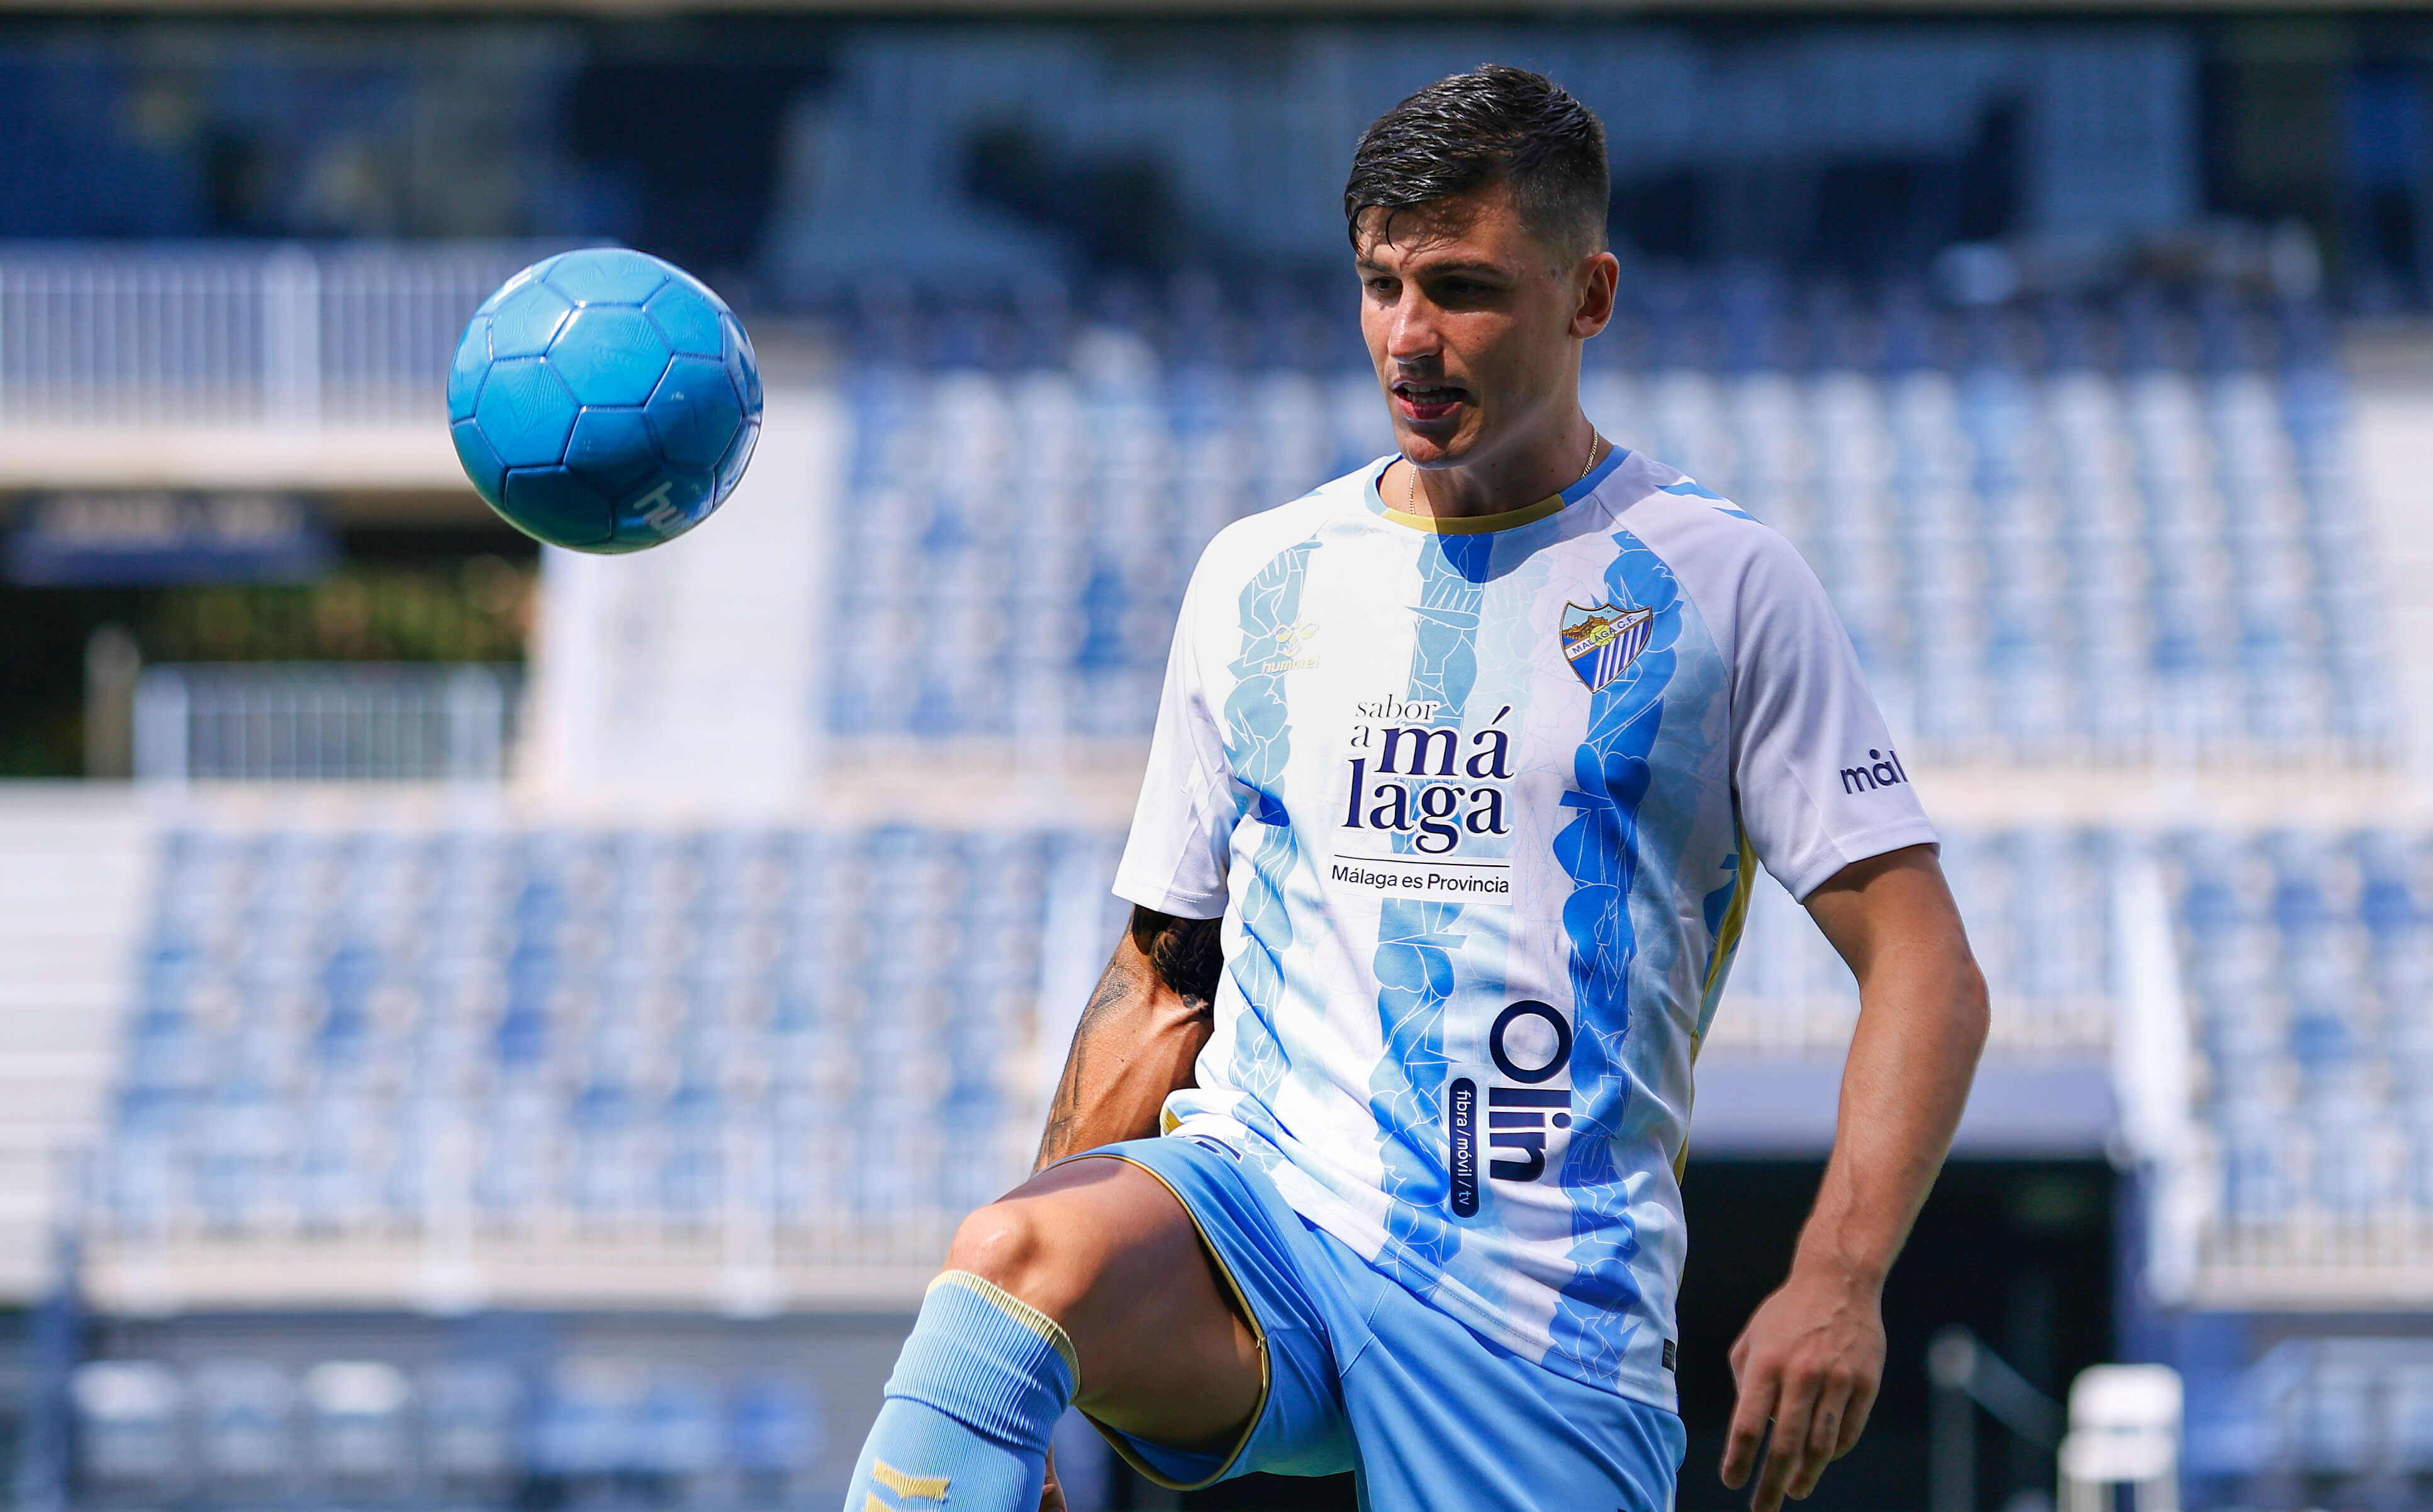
point(805, 1050)
point(2094, 536)
point(486, 1088)
point(2307, 958)
point(527, 1037)
point(251, 1417)
point(639, 1049)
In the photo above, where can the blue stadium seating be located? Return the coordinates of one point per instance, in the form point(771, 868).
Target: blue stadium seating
point(592, 1430)
point(2057, 533)
point(2348, 1418)
point(2305, 959)
point(362, 1031)
point(600, 1015)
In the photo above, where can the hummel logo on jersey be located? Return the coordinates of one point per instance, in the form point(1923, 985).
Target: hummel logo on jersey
point(1883, 770)
point(1600, 641)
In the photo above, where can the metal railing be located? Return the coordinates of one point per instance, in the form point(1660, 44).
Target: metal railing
point(277, 335)
point(321, 723)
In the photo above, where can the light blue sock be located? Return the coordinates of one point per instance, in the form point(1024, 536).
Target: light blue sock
point(975, 1395)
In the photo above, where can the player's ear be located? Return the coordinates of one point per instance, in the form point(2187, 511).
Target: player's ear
point(1594, 282)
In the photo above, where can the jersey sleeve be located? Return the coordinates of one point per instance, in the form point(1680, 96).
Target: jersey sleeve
point(1819, 783)
point(1176, 857)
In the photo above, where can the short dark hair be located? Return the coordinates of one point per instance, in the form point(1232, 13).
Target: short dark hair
point(1494, 124)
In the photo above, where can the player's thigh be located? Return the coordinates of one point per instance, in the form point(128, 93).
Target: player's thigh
point(1107, 1251)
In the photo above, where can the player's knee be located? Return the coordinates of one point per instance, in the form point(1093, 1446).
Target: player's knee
point(1010, 1242)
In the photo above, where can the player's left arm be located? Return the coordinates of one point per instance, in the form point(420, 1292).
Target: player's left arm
point(1813, 1355)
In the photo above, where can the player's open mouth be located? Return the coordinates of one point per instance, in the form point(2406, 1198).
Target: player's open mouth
point(1428, 401)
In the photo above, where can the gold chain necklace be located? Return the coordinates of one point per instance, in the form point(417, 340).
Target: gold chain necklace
point(1411, 484)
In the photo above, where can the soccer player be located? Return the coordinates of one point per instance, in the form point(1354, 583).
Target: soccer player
point(1367, 1155)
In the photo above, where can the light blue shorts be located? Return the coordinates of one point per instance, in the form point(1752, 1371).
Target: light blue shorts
point(1363, 1376)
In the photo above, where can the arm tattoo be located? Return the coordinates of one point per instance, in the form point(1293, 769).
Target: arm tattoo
point(1064, 1112)
point(1188, 954)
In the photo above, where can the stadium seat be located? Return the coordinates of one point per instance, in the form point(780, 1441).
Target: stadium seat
point(129, 1422)
point(245, 1419)
point(473, 1423)
point(360, 1427)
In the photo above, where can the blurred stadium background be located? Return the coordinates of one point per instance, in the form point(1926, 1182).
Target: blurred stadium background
point(485, 1029)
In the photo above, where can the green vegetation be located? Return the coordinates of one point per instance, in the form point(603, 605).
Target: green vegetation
point(474, 611)
point(465, 609)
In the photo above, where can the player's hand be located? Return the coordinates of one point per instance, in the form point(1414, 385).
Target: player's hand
point(1810, 1362)
point(1051, 1496)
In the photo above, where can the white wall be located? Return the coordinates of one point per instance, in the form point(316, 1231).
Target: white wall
point(76, 869)
point(2391, 450)
point(691, 669)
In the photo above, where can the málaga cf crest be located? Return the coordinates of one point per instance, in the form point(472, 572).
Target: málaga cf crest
point(1600, 642)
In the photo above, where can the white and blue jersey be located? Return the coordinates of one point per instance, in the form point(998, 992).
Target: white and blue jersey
point(1479, 802)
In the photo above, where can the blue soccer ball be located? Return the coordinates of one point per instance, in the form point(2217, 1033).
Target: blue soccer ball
point(604, 400)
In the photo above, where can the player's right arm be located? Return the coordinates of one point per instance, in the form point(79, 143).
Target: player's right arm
point(1138, 1037)
point(1137, 1041)
point(1145, 1024)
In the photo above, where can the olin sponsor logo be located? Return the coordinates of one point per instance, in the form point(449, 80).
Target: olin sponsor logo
point(1882, 769)
point(1531, 1045)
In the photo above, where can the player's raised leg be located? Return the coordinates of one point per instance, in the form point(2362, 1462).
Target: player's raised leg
point(1089, 1283)
point(1104, 1247)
